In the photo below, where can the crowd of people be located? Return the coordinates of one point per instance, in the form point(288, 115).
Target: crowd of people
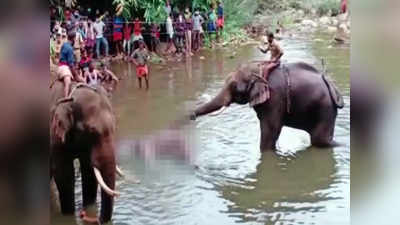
point(79, 36)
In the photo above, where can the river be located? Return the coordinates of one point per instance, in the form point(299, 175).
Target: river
point(210, 171)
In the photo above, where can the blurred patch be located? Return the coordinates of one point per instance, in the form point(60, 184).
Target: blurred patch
point(24, 139)
point(374, 112)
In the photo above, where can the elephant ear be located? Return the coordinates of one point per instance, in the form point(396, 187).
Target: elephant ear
point(61, 123)
point(259, 93)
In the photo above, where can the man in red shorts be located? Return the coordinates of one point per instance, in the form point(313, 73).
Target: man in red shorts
point(140, 57)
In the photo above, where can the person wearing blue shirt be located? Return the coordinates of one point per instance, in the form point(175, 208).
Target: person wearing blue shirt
point(117, 33)
point(220, 20)
point(66, 66)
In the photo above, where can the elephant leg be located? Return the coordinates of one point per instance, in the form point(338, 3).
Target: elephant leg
point(65, 180)
point(270, 130)
point(89, 183)
point(322, 133)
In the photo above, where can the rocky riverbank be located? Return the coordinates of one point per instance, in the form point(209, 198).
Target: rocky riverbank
point(296, 23)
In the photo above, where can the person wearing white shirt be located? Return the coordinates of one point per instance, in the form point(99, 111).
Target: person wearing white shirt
point(99, 27)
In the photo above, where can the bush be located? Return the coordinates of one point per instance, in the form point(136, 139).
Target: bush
point(325, 6)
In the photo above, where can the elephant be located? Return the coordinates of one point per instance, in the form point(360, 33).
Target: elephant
point(82, 126)
point(296, 95)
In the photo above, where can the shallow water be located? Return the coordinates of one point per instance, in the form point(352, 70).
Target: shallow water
point(211, 171)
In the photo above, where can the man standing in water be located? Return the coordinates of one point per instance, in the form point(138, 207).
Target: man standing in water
point(276, 54)
point(140, 57)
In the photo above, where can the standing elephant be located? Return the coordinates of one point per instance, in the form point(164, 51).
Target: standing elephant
point(82, 126)
point(296, 95)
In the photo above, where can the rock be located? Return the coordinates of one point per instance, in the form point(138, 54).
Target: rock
point(300, 13)
point(325, 20)
point(297, 20)
point(334, 22)
point(343, 29)
point(331, 29)
point(313, 11)
point(309, 23)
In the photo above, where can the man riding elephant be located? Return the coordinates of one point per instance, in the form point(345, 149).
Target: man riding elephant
point(66, 67)
point(276, 54)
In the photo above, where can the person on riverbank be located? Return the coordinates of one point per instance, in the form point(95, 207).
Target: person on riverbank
point(90, 38)
point(78, 45)
point(170, 34)
point(92, 75)
point(140, 57)
point(117, 34)
point(137, 33)
point(155, 37)
point(85, 61)
point(220, 20)
point(211, 25)
point(99, 28)
point(197, 27)
point(188, 32)
point(180, 26)
point(276, 54)
point(108, 79)
point(127, 39)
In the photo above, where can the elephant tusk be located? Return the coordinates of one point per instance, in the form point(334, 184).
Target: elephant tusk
point(119, 171)
point(103, 185)
point(219, 112)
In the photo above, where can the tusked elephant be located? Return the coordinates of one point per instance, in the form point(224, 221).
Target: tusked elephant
point(82, 127)
point(296, 95)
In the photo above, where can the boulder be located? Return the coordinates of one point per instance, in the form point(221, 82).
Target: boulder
point(313, 11)
point(325, 20)
point(343, 28)
point(334, 22)
point(309, 23)
point(331, 29)
point(300, 13)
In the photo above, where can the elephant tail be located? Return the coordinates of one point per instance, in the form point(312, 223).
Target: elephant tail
point(336, 97)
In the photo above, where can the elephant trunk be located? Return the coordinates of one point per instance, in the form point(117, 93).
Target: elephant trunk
point(104, 166)
point(223, 99)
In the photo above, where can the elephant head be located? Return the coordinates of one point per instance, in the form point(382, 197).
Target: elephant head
point(62, 121)
point(242, 86)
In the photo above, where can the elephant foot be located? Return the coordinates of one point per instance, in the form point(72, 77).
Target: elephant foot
point(327, 144)
point(88, 219)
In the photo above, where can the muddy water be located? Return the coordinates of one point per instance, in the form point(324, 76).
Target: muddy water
point(211, 171)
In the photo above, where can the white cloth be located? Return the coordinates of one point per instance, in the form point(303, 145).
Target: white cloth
point(170, 28)
point(64, 71)
point(197, 21)
point(92, 78)
point(99, 28)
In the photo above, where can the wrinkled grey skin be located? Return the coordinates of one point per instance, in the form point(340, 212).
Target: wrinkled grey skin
point(313, 102)
point(82, 128)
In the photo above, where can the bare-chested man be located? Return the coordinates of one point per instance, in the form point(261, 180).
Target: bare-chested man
point(276, 54)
